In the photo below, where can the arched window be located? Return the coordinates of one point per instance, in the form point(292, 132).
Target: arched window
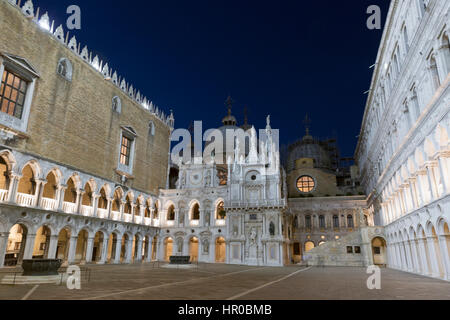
point(71, 192)
point(117, 201)
point(65, 69)
point(220, 212)
point(156, 212)
point(147, 213)
point(350, 223)
point(322, 222)
point(128, 208)
point(171, 214)
point(102, 200)
point(195, 214)
point(117, 105)
point(336, 221)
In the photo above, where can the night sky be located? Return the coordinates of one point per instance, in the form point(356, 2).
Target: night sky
point(284, 58)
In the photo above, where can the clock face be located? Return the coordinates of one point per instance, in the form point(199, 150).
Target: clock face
point(196, 178)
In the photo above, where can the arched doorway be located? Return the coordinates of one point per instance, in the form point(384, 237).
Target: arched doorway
point(168, 249)
point(379, 251)
point(220, 250)
point(309, 245)
point(296, 252)
point(98, 246)
point(80, 252)
point(134, 248)
point(62, 250)
point(41, 243)
point(16, 245)
point(193, 249)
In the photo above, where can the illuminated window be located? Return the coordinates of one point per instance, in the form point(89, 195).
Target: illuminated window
point(12, 94)
point(125, 151)
point(306, 184)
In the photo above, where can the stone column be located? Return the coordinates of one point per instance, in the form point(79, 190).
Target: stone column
point(78, 200)
point(53, 246)
point(138, 248)
point(133, 213)
point(29, 247)
point(95, 198)
point(60, 196)
point(433, 257)
point(109, 207)
point(409, 256)
point(419, 191)
point(118, 250)
point(415, 259)
point(89, 249)
point(72, 249)
point(104, 254)
point(39, 192)
point(13, 186)
point(148, 258)
point(445, 256)
point(186, 248)
point(121, 209)
point(3, 244)
point(445, 183)
point(128, 251)
point(433, 192)
point(423, 257)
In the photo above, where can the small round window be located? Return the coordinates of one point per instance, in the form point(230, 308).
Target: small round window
point(306, 184)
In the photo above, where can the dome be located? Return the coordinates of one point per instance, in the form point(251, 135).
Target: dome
point(308, 148)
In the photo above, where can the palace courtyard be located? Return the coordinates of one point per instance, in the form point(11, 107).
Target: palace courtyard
point(231, 282)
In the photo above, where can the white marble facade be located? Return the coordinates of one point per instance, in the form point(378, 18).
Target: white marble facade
point(253, 200)
point(404, 150)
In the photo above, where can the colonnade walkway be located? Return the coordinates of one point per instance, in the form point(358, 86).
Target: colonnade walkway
point(221, 282)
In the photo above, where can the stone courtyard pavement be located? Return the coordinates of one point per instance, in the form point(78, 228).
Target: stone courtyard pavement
point(222, 282)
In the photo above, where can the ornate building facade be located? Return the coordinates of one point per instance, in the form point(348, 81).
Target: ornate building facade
point(86, 188)
point(82, 153)
point(403, 150)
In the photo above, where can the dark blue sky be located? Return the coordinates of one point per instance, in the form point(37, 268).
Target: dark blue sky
point(284, 58)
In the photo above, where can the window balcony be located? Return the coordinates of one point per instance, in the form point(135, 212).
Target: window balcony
point(138, 219)
point(87, 211)
point(3, 195)
point(102, 213)
point(147, 221)
point(26, 200)
point(156, 223)
point(48, 204)
point(69, 207)
point(221, 222)
point(127, 217)
point(115, 215)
